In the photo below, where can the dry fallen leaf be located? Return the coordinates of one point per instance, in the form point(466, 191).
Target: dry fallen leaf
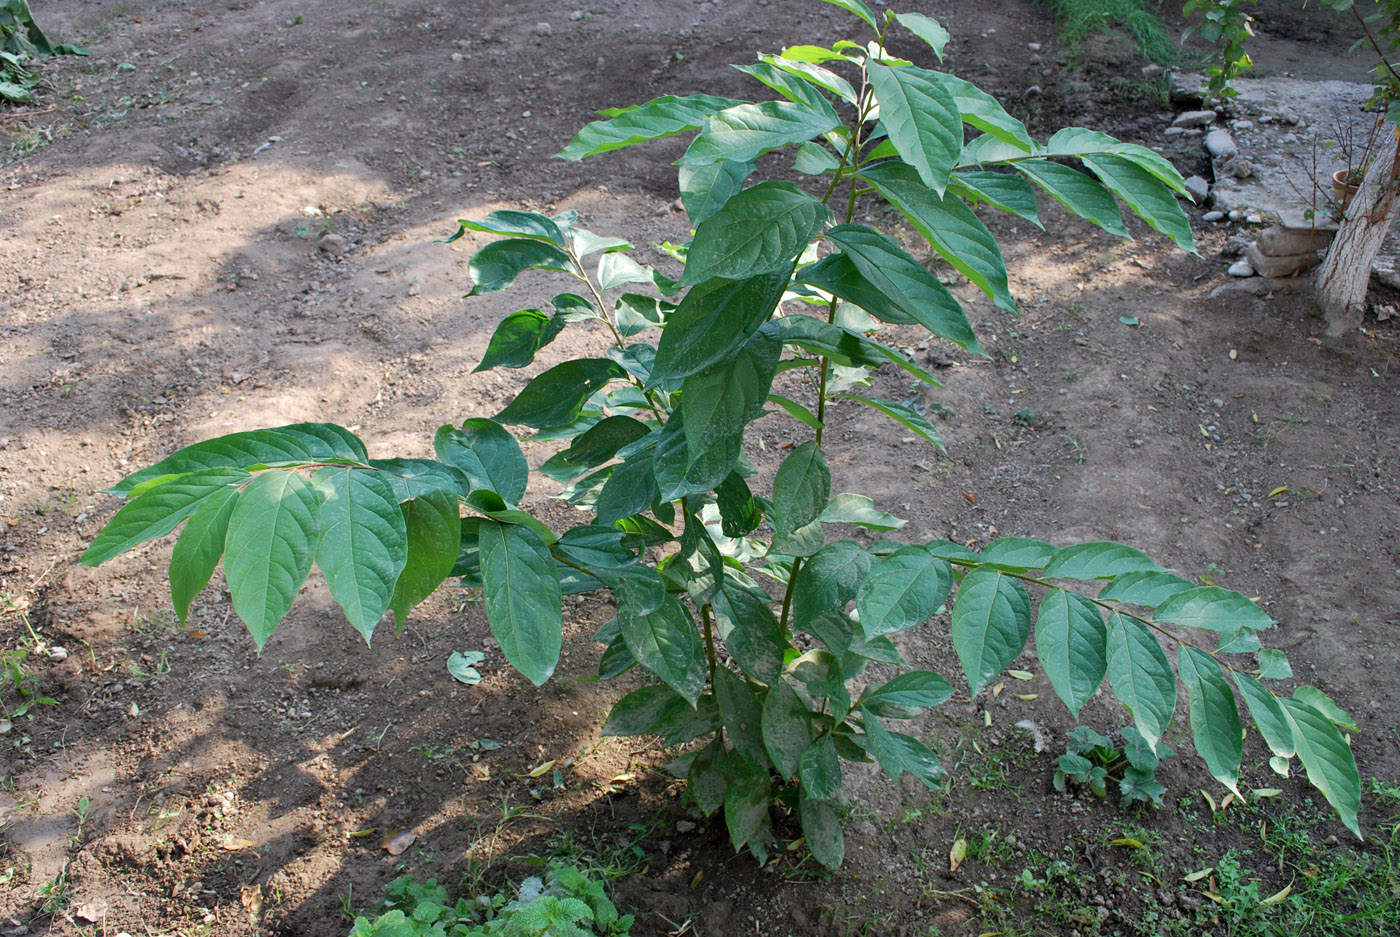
point(233, 845)
point(957, 854)
point(396, 843)
point(93, 911)
point(541, 770)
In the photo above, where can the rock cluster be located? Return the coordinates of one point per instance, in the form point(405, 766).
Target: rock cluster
point(1290, 247)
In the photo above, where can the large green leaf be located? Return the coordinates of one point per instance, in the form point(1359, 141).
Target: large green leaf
point(801, 488)
point(527, 224)
point(660, 117)
point(863, 11)
point(1268, 715)
point(921, 118)
point(198, 549)
point(906, 695)
point(1000, 190)
point(926, 28)
point(744, 132)
point(991, 622)
point(1098, 560)
point(1215, 716)
point(1324, 704)
point(433, 521)
point(738, 511)
point(495, 266)
point(364, 542)
point(1148, 589)
point(821, 825)
point(1213, 609)
point(706, 189)
point(979, 109)
point(741, 714)
point(1080, 193)
point(518, 337)
point(666, 642)
point(1079, 142)
point(1327, 758)
point(898, 753)
point(904, 282)
point(159, 510)
point(1146, 195)
point(639, 711)
point(487, 454)
point(725, 397)
point(814, 76)
point(1072, 644)
point(759, 230)
point(629, 490)
point(300, 442)
point(844, 346)
point(556, 397)
point(712, 321)
point(746, 800)
point(523, 602)
point(828, 580)
point(787, 727)
point(903, 590)
point(1017, 554)
point(819, 770)
point(791, 84)
point(950, 227)
point(679, 473)
point(1141, 675)
point(272, 537)
point(596, 445)
point(905, 416)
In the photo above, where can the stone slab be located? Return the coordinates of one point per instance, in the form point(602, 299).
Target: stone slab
point(1278, 241)
point(1287, 266)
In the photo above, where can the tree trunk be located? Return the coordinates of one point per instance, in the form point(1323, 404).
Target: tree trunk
point(1346, 272)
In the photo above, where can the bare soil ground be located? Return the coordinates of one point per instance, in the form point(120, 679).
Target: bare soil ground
point(167, 273)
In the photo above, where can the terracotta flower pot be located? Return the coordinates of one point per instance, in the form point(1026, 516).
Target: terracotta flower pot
point(1342, 190)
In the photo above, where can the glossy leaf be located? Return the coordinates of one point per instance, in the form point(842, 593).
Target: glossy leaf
point(433, 523)
point(495, 266)
point(1215, 717)
point(1147, 589)
point(905, 416)
point(1072, 644)
point(903, 590)
point(364, 542)
point(926, 28)
point(739, 513)
point(787, 727)
point(741, 714)
point(1079, 142)
point(912, 690)
point(844, 346)
point(1079, 192)
point(1323, 703)
point(518, 337)
point(999, 189)
point(814, 76)
point(666, 642)
point(1141, 675)
point(819, 770)
point(759, 230)
point(706, 189)
point(950, 227)
point(1103, 560)
point(272, 536)
point(487, 454)
point(639, 711)
point(556, 397)
point(198, 549)
point(1213, 609)
point(991, 622)
point(1146, 195)
point(801, 488)
point(725, 397)
point(713, 321)
point(750, 631)
point(522, 598)
point(898, 753)
point(527, 224)
point(828, 580)
point(1017, 554)
point(745, 132)
point(660, 117)
point(629, 490)
point(159, 510)
point(1327, 758)
point(796, 89)
point(921, 118)
point(979, 109)
point(1268, 715)
point(863, 11)
point(850, 508)
point(678, 474)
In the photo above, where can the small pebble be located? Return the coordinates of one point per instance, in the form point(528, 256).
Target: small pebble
point(58, 653)
point(1241, 268)
point(1213, 216)
point(1033, 46)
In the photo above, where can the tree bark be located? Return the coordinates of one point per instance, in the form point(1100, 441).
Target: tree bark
point(1346, 272)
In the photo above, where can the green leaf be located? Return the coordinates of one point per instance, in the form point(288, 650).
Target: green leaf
point(1273, 665)
point(898, 753)
point(979, 109)
point(1213, 609)
point(713, 321)
point(1323, 703)
point(791, 86)
point(1327, 758)
point(1017, 554)
point(198, 549)
point(666, 642)
point(518, 337)
point(759, 230)
point(487, 454)
point(1105, 560)
point(1147, 589)
point(433, 522)
point(556, 397)
point(849, 508)
point(926, 28)
point(821, 827)
point(523, 602)
point(725, 397)
point(801, 488)
point(787, 727)
point(750, 630)
point(364, 542)
point(1080, 193)
point(888, 270)
point(739, 513)
point(1072, 644)
point(586, 243)
point(707, 783)
point(594, 446)
point(661, 117)
point(1000, 190)
point(1268, 715)
point(706, 189)
point(863, 11)
point(495, 266)
point(616, 270)
point(678, 474)
point(907, 417)
point(1141, 675)
point(272, 537)
point(527, 224)
point(746, 800)
point(1146, 195)
point(950, 227)
point(844, 346)
point(812, 75)
point(796, 410)
point(903, 590)
point(683, 723)
point(616, 660)
point(745, 132)
point(639, 711)
point(1215, 717)
point(819, 771)
point(741, 714)
point(300, 442)
point(991, 622)
point(629, 490)
point(572, 307)
point(828, 580)
point(902, 697)
point(463, 667)
point(1078, 142)
point(922, 120)
point(159, 510)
